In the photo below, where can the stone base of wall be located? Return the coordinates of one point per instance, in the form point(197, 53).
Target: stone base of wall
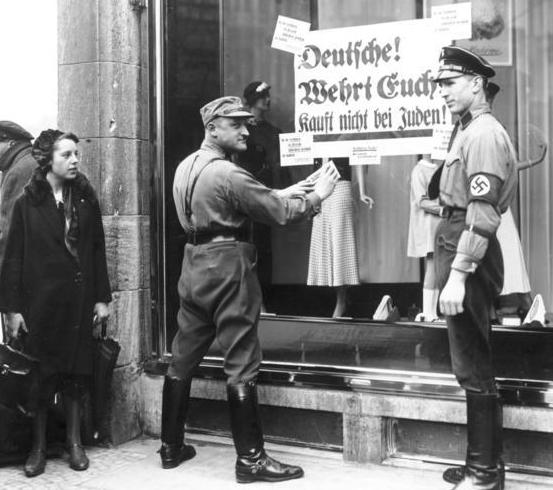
point(371, 421)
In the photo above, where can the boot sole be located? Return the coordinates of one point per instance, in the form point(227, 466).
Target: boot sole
point(254, 478)
point(169, 465)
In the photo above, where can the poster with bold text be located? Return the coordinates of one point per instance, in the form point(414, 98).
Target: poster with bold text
point(370, 83)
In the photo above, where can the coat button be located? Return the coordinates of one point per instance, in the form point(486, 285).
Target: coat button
point(78, 278)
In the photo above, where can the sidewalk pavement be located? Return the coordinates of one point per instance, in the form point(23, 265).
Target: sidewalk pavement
point(135, 465)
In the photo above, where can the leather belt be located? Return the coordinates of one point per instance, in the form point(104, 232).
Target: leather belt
point(201, 237)
point(449, 211)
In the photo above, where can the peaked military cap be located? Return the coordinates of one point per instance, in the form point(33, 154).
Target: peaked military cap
point(456, 61)
point(12, 131)
point(223, 107)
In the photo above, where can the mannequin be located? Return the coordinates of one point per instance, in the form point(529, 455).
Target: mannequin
point(333, 251)
point(262, 160)
point(423, 220)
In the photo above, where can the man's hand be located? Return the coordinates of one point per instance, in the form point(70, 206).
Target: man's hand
point(326, 181)
point(15, 323)
point(453, 294)
point(299, 189)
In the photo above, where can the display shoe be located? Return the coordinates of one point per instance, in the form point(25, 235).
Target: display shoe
point(261, 467)
point(78, 460)
point(173, 454)
point(36, 462)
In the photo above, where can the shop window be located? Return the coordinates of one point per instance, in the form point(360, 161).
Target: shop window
point(219, 47)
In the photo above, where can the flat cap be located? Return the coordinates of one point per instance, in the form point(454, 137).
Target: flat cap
point(456, 61)
point(223, 107)
point(256, 90)
point(12, 131)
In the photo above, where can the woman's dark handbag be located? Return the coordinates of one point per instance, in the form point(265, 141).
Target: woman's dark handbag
point(18, 379)
point(105, 358)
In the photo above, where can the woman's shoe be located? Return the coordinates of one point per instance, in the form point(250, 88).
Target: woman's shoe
point(36, 462)
point(78, 460)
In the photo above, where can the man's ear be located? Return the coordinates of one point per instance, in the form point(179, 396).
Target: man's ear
point(478, 84)
point(211, 128)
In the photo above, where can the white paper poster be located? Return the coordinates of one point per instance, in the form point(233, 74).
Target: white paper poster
point(296, 149)
point(453, 21)
point(364, 153)
point(290, 34)
point(440, 141)
point(370, 83)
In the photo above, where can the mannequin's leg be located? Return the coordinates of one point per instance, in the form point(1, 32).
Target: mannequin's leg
point(341, 300)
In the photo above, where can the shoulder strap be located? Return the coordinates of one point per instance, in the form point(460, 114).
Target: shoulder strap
point(191, 186)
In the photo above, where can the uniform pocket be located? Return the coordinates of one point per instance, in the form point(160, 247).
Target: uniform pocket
point(443, 242)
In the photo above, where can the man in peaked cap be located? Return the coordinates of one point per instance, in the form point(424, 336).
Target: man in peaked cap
point(477, 184)
point(220, 296)
point(17, 165)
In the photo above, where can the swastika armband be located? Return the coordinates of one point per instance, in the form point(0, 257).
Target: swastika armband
point(484, 187)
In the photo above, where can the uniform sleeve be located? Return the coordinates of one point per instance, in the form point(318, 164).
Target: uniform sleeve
point(487, 157)
point(263, 204)
point(178, 195)
point(12, 186)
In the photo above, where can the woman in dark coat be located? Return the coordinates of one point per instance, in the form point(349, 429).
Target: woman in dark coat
point(54, 284)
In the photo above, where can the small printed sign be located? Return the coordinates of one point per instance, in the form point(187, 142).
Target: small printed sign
point(440, 141)
point(364, 154)
point(290, 34)
point(296, 149)
point(453, 21)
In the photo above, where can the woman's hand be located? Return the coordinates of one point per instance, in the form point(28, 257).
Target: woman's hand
point(101, 313)
point(14, 323)
point(299, 189)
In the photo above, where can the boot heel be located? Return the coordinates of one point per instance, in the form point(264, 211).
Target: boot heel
point(247, 478)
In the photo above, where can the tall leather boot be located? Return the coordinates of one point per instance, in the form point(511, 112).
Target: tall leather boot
point(456, 474)
point(483, 470)
point(252, 462)
point(36, 461)
point(175, 401)
point(78, 460)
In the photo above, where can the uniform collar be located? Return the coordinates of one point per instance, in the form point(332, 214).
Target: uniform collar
point(476, 111)
point(213, 148)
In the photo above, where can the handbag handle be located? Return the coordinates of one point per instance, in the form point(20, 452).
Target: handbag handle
point(104, 332)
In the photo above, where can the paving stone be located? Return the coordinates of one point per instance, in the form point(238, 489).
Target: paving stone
point(135, 465)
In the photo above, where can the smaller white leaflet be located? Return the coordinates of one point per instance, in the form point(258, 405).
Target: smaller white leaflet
point(290, 34)
point(453, 21)
point(296, 149)
point(364, 154)
point(440, 141)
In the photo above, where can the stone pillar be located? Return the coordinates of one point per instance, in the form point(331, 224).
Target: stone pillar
point(103, 98)
point(363, 434)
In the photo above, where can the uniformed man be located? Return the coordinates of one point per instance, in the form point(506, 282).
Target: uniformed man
point(220, 296)
point(477, 185)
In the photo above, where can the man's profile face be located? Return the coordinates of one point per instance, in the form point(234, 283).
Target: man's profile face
point(458, 93)
point(231, 134)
